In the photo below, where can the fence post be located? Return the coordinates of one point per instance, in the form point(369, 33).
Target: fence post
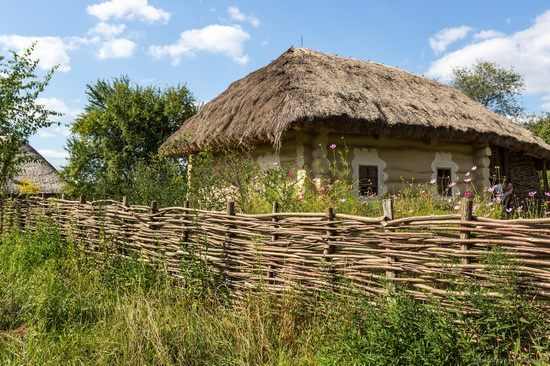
point(329, 212)
point(185, 234)
point(82, 200)
point(466, 217)
point(274, 237)
point(230, 211)
point(387, 206)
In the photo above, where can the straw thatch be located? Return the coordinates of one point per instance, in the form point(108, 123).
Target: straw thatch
point(39, 172)
point(307, 89)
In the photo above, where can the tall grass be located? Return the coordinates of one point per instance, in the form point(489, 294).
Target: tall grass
point(59, 307)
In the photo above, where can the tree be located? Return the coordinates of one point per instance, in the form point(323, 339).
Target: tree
point(122, 125)
point(539, 125)
point(20, 115)
point(495, 87)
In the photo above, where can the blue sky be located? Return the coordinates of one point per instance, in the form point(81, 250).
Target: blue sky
point(208, 44)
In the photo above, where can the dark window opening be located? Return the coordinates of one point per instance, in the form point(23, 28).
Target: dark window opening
point(368, 180)
point(443, 181)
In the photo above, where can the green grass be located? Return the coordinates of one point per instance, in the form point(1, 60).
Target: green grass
point(58, 307)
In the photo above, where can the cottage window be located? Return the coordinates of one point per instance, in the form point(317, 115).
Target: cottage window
point(368, 173)
point(368, 180)
point(443, 181)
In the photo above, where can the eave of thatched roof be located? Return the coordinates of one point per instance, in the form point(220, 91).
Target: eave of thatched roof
point(307, 88)
point(39, 172)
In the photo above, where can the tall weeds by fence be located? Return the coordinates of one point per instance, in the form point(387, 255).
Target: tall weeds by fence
point(429, 256)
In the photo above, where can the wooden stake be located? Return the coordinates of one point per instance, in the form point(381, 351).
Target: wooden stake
point(466, 217)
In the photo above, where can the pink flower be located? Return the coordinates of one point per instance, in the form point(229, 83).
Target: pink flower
point(532, 194)
point(491, 189)
point(520, 208)
point(332, 146)
point(433, 181)
point(457, 207)
point(547, 212)
point(474, 167)
point(468, 180)
point(547, 194)
point(467, 193)
point(342, 200)
point(452, 184)
point(288, 174)
point(509, 209)
point(300, 199)
point(467, 174)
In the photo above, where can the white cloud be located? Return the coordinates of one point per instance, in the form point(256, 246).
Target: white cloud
point(107, 30)
point(51, 51)
point(442, 39)
point(128, 9)
point(223, 39)
point(487, 34)
point(527, 51)
point(58, 105)
point(116, 48)
point(53, 154)
point(237, 15)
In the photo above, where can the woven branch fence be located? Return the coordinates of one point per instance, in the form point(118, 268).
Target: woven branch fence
point(428, 255)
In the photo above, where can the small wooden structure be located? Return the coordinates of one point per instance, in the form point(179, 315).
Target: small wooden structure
point(395, 125)
point(39, 173)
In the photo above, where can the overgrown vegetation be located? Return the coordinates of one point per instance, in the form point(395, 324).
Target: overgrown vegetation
point(58, 306)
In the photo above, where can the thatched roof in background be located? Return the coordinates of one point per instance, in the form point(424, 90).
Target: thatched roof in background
point(40, 173)
point(311, 89)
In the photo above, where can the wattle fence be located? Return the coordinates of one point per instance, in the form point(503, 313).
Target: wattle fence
point(428, 255)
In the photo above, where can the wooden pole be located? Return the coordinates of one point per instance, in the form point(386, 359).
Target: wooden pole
point(466, 217)
point(544, 176)
point(274, 237)
point(185, 234)
point(230, 211)
point(329, 212)
point(387, 206)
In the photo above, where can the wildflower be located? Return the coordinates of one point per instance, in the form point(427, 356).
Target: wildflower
point(491, 189)
point(547, 213)
point(452, 184)
point(547, 194)
point(275, 164)
point(489, 204)
point(532, 194)
point(332, 146)
point(520, 209)
point(468, 180)
point(474, 167)
point(509, 210)
point(288, 174)
point(342, 200)
point(467, 174)
point(457, 207)
point(433, 181)
point(300, 199)
point(467, 193)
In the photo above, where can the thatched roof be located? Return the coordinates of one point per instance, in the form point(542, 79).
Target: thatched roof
point(304, 88)
point(39, 172)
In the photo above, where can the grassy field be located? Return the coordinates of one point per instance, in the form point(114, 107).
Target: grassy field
point(58, 307)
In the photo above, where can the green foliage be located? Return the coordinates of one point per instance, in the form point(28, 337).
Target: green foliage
point(20, 115)
point(495, 87)
point(539, 125)
point(121, 128)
